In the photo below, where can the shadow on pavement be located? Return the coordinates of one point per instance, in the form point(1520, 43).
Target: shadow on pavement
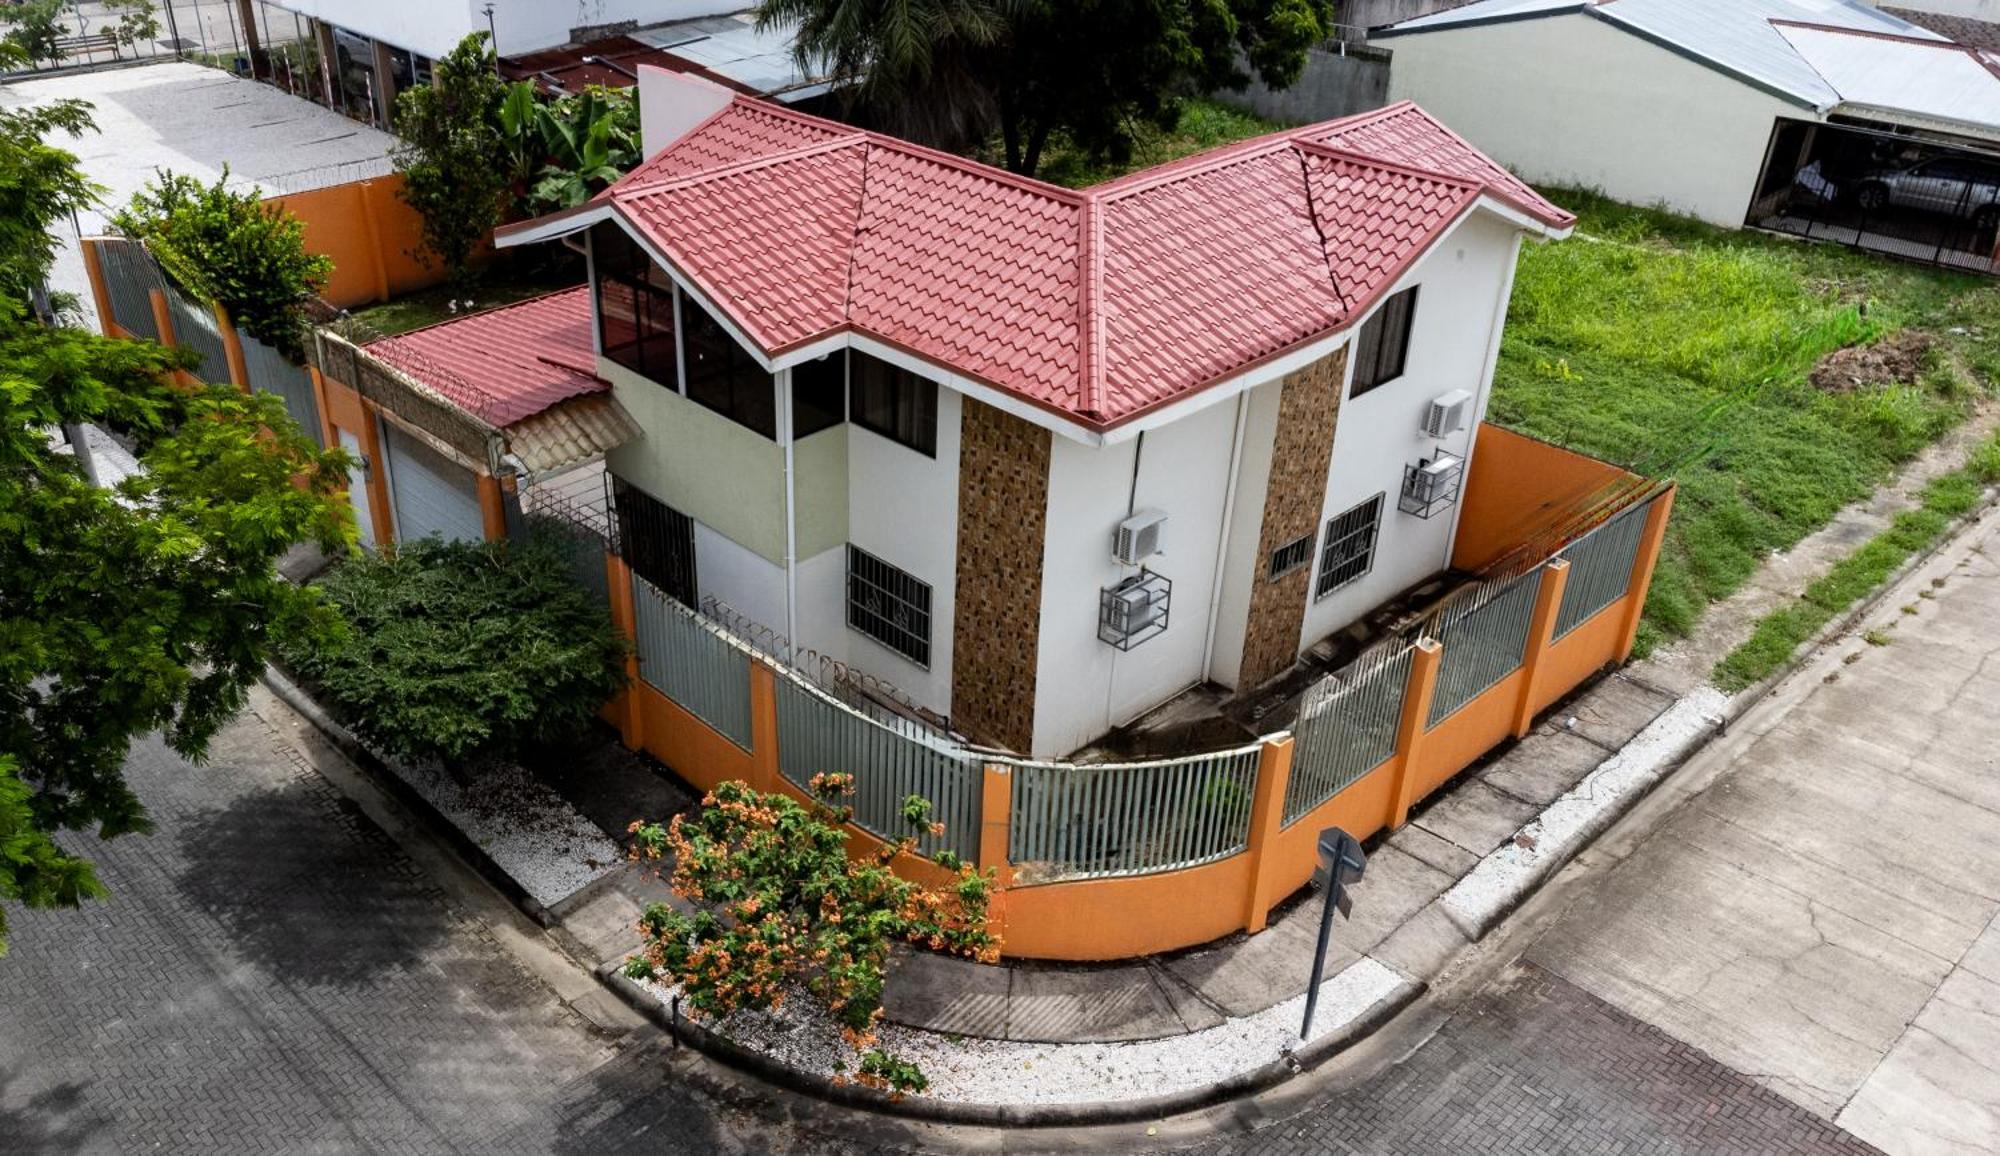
point(52, 1120)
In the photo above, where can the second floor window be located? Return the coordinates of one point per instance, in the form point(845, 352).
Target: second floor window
point(1384, 343)
point(893, 402)
point(723, 376)
point(635, 306)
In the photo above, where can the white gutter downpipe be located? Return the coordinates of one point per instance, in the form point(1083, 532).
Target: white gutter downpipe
point(1485, 390)
point(1222, 539)
point(782, 382)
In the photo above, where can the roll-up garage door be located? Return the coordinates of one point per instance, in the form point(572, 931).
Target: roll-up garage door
point(433, 495)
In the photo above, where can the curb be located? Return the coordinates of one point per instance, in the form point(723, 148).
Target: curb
point(378, 770)
point(1246, 1083)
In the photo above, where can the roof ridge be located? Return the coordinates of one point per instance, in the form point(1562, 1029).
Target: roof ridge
point(1342, 154)
point(976, 168)
point(1933, 41)
point(1089, 290)
point(1319, 230)
point(746, 165)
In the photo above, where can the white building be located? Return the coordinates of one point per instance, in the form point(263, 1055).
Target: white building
point(1687, 103)
point(1044, 459)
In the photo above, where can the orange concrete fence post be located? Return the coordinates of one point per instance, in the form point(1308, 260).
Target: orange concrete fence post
point(100, 293)
point(492, 508)
point(1642, 570)
point(1267, 817)
point(626, 715)
point(996, 817)
point(379, 506)
point(364, 198)
point(1541, 636)
point(763, 727)
point(163, 320)
point(328, 435)
point(232, 347)
point(1411, 725)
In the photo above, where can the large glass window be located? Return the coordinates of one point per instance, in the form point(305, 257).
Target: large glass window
point(635, 306)
point(723, 376)
point(893, 402)
point(1384, 343)
point(819, 394)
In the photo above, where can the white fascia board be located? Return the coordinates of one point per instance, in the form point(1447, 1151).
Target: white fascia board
point(551, 228)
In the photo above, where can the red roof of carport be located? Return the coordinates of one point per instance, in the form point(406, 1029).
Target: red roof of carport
point(505, 364)
point(1097, 304)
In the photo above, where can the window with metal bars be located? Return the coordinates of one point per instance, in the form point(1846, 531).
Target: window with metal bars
point(658, 541)
point(1384, 343)
point(1349, 552)
point(1290, 557)
point(889, 605)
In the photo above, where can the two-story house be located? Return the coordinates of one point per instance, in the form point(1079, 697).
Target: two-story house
point(1044, 458)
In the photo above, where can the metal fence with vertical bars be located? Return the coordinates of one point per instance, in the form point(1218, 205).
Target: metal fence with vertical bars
point(195, 328)
point(271, 372)
point(1485, 636)
point(690, 662)
point(129, 275)
point(1600, 566)
point(1083, 822)
point(1346, 727)
point(817, 735)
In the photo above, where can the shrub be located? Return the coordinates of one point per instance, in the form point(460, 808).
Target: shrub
point(231, 247)
point(33, 28)
point(464, 650)
point(783, 909)
point(452, 156)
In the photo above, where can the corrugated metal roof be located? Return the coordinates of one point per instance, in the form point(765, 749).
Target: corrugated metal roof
point(1095, 304)
point(1913, 80)
point(1735, 36)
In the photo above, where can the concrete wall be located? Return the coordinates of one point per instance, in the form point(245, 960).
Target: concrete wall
point(1240, 571)
point(1460, 284)
point(371, 234)
point(432, 27)
point(1574, 100)
point(1085, 686)
point(1334, 83)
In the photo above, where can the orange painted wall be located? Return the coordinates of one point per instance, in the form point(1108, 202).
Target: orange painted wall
point(700, 755)
point(370, 233)
point(1126, 916)
point(1516, 489)
point(1580, 653)
point(1470, 731)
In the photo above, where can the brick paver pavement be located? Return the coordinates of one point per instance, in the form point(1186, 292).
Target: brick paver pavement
point(273, 974)
point(1534, 1064)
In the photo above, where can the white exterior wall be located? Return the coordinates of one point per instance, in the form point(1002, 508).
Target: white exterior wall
point(433, 27)
point(1459, 302)
point(1240, 571)
point(1574, 100)
point(740, 577)
point(903, 508)
point(1085, 686)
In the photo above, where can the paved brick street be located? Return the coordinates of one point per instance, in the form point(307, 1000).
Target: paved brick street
point(272, 973)
point(1536, 1065)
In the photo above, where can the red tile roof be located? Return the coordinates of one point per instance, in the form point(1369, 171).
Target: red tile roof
point(1096, 304)
point(505, 364)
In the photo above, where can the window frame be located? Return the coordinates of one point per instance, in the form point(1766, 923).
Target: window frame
point(909, 389)
point(1302, 546)
point(1337, 535)
point(750, 388)
point(649, 532)
point(647, 296)
point(919, 652)
point(1372, 366)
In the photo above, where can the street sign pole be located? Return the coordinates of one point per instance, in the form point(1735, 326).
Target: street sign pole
point(1341, 861)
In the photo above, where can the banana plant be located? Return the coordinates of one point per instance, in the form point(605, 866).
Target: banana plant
point(563, 150)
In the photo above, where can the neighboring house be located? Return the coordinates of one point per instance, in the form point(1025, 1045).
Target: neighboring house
point(1710, 107)
point(1044, 459)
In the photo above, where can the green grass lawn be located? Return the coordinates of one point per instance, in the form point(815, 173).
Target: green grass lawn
point(1665, 345)
point(502, 284)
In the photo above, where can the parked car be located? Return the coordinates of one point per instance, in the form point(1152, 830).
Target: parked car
point(1966, 187)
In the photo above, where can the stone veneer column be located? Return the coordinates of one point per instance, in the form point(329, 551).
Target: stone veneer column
point(1003, 503)
point(1308, 409)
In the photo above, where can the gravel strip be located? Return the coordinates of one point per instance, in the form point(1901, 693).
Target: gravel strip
point(530, 832)
point(981, 1071)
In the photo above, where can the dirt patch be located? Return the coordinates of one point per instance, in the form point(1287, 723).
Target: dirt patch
point(1896, 358)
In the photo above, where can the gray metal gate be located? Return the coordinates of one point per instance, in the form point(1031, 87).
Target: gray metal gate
point(432, 495)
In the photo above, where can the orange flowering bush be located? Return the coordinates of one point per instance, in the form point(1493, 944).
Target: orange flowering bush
point(781, 907)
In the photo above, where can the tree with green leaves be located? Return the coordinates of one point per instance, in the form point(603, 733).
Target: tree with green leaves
point(137, 20)
point(783, 910)
point(452, 152)
point(148, 607)
point(41, 185)
point(464, 651)
point(222, 245)
point(34, 28)
point(563, 150)
point(951, 72)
